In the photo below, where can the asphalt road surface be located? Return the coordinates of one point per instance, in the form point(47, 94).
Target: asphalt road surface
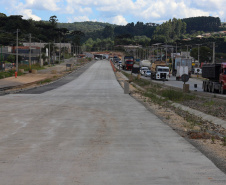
point(88, 132)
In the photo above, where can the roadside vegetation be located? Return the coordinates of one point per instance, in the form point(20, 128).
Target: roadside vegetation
point(33, 66)
point(10, 73)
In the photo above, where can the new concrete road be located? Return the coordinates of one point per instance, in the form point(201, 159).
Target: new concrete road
point(88, 132)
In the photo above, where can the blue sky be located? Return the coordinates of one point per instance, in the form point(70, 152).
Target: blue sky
point(118, 12)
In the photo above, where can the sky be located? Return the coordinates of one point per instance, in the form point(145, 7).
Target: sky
point(118, 12)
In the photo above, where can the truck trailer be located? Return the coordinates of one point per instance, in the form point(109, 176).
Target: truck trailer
point(145, 63)
point(215, 75)
point(181, 62)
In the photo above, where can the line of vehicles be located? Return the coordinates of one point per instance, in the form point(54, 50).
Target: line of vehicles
point(214, 74)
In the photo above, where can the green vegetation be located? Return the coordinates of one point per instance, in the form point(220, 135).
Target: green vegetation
point(170, 31)
point(176, 96)
point(97, 36)
point(209, 103)
point(204, 23)
point(224, 141)
point(45, 81)
point(85, 27)
point(34, 66)
point(9, 73)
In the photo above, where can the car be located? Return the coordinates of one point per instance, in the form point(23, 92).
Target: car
point(119, 63)
point(143, 70)
point(147, 73)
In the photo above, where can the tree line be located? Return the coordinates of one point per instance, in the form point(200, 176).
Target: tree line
point(96, 35)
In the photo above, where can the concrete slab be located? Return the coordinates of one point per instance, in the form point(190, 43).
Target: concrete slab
point(88, 132)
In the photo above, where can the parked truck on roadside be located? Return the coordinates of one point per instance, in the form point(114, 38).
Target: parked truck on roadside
point(127, 62)
point(215, 75)
point(159, 71)
point(181, 70)
point(181, 62)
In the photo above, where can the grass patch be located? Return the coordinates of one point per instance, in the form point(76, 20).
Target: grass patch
point(209, 103)
point(176, 96)
point(45, 81)
point(154, 98)
point(6, 74)
point(34, 66)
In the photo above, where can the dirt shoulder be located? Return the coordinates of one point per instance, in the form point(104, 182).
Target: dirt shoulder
point(42, 77)
point(207, 137)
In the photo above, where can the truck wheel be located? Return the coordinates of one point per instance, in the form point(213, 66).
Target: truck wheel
point(213, 89)
point(209, 88)
point(204, 87)
point(222, 90)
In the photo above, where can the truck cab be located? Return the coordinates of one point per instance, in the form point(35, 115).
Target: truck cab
point(162, 72)
point(128, 62)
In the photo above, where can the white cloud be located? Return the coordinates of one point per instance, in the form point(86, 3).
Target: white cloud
point(27, 14)
point(119, 20)
point(19, 9)
point(116, 10)
point(51, 5)
point(79, 19)
point(167, 9)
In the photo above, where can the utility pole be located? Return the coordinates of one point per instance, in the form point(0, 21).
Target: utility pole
point(187, 50)
point(214, 53)
point(17, 50)
point(60, 51)
point(40, 54)
point(166, 52)
point(49, 53)
point(30, 52)
point(198, 53)
point(1, 59)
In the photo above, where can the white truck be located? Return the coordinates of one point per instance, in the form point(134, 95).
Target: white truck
point(159, 71)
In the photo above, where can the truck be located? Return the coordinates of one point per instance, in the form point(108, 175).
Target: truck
point(215, 75)
point(159, 71)
point(182, 62)
point(127, 62)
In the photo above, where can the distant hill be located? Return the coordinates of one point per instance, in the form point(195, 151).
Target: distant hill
point(85, 27)
point(206, 24)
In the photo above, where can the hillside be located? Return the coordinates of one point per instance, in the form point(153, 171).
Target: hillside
point(85, 27)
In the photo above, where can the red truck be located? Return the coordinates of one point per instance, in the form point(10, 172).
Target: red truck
point(216, 77)
point(127, 63)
